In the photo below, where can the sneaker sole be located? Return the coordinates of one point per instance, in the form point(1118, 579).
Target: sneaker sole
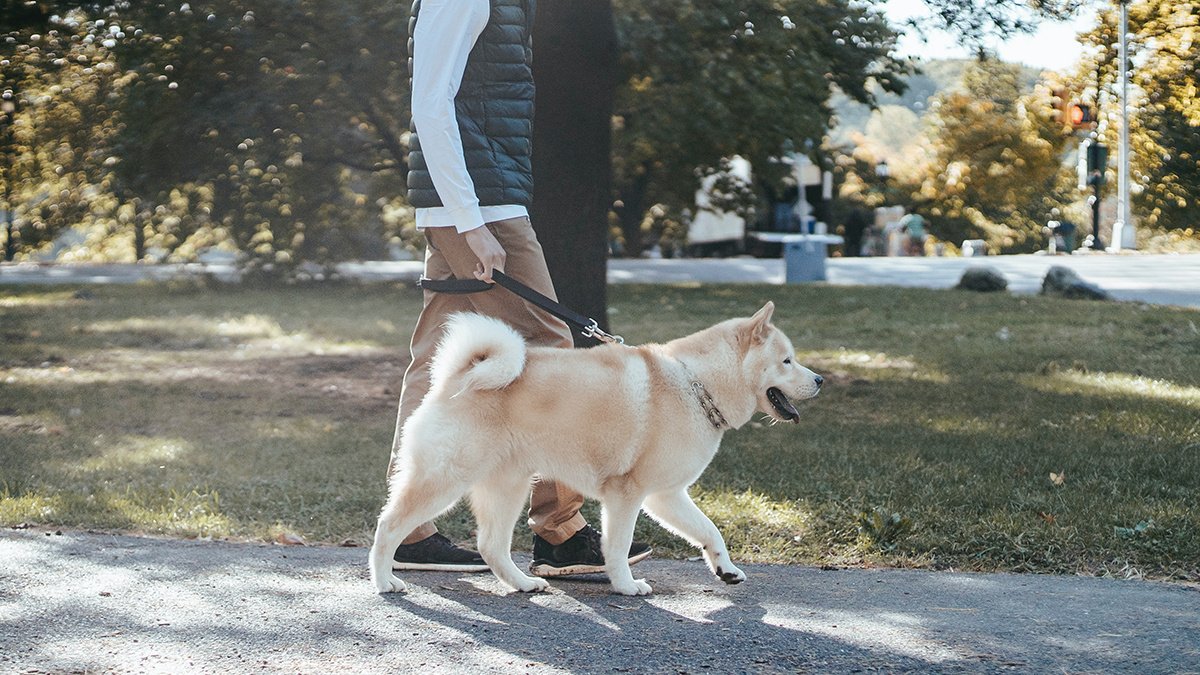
point(544, 570)
point(438, 567)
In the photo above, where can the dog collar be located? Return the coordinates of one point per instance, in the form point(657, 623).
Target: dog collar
point(711, 411)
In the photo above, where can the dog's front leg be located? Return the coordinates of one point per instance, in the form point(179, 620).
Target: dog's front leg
point(618, 517)
point(387, 538)
point(679, 514)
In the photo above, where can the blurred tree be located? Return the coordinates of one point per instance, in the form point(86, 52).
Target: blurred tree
point(298, 132)
point(58, 83)
point(976, 20)
point(280, 127)
point(1165, 127)
point(996, 170)
point(704, 81)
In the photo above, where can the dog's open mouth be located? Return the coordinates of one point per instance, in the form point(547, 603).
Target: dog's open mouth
point(782, 405)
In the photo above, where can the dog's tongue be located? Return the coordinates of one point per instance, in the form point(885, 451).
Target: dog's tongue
point(783, 405)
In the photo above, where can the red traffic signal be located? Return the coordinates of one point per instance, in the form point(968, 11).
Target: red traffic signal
point(1080, 115)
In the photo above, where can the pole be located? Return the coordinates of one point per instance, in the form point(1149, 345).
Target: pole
point(801, 163)
point(1123, 229)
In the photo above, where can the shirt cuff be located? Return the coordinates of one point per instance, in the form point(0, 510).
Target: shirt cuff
point(466, 218)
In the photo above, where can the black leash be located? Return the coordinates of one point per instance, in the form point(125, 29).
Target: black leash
point(587, 326)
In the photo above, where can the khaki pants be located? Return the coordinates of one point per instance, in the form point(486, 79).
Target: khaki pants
point(553, 508)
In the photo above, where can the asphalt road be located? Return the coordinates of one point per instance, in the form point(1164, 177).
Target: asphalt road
point(1155, 279)
point(80, 602)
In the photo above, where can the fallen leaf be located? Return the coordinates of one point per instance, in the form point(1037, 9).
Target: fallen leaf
point(289, 539)
point(1058, 478)
point(1048, 517)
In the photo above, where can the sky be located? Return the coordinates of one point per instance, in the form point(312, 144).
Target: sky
point(1054, 46)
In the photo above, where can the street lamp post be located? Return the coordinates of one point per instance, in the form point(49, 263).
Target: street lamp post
point(1123, 230)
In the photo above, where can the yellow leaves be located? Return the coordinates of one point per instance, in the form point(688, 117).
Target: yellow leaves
point(640, 85)
point(1058, 478)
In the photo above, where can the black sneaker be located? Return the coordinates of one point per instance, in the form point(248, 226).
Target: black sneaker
point(578, 555)
point(436, 552)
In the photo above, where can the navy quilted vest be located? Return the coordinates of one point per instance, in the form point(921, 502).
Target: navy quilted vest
point(494, 108)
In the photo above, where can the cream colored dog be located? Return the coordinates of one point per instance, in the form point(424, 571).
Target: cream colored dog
point(630, 426)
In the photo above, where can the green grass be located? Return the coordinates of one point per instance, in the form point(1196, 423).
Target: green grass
point(253, 412)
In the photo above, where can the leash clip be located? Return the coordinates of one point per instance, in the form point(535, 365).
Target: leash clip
point(592, 330)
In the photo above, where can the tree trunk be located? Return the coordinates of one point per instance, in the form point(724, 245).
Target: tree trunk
point(10, 239)
point(574, 67)
point(139, 237)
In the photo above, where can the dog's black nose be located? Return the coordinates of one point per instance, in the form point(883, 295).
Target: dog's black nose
point(819, 380)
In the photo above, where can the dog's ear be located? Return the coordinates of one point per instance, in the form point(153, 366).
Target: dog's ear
point(756, 329)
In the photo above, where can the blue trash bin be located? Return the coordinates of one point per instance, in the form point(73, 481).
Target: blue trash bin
point(805, 260)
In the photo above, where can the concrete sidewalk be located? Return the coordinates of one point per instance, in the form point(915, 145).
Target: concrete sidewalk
point(1156, 279)
point(84, 602)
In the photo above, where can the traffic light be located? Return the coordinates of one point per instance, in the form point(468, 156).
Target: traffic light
point(1068, 112)
point(1093, 160)
point(1080, 115)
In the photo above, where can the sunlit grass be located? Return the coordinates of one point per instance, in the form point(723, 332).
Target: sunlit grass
point(191, 514)
point(41, 299)
point(248, 326)
point(259, 412)
point(1120, 384)
point(132, 453)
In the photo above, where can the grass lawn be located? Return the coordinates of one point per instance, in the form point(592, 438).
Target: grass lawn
point(268, 412)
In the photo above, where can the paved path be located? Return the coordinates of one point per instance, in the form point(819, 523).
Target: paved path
point(1158, 279)
point(89, 602)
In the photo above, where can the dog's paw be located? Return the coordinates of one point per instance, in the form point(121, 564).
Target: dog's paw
point(731, 576)
point(635, 587)
point(390, 583)
point(533, 585)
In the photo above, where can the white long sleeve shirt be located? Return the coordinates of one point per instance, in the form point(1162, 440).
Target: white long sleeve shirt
point(445, 34)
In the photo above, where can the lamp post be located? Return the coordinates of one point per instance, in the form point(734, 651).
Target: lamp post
point(1123, 230)
point(882, 172)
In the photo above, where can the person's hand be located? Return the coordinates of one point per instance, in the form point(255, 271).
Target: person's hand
point(489, 251)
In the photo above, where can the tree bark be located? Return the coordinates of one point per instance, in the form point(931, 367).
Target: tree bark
point(575, 69)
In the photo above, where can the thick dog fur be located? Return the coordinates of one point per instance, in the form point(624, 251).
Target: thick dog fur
point(620, 424)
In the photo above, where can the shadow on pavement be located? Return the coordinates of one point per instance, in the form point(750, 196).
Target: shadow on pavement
point(102, 602)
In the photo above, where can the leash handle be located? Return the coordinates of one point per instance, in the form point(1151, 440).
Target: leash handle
point(588, 327)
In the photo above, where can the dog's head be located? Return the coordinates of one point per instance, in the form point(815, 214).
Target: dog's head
point(769, 365)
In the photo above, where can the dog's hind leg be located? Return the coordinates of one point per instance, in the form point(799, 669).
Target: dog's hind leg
point(497, 503)
point(679, 514)
point(617, 518)
point(412, 501)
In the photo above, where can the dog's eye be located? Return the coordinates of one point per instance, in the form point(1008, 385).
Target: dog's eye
point(788, 361)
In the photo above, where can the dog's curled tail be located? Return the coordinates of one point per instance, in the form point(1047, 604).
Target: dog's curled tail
point(477, 352)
